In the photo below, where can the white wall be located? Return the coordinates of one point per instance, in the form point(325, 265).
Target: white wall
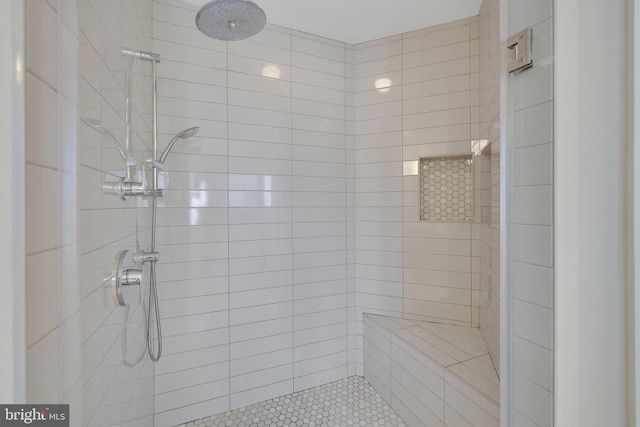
point(266, 271)
point(253, 226)
point(53, 309)
point(634, 218)
point(306, 154)
point(403, 266)
point(12, 167)
point(590, 208)
point(529, 226)
point(113, 393)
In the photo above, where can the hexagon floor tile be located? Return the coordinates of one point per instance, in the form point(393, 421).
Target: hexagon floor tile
point(348, 402)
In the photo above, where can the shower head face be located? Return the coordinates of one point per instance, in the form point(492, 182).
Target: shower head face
point(188, 133)
point(230, 20)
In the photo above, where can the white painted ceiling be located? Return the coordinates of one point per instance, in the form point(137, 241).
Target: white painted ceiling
point(357, 21)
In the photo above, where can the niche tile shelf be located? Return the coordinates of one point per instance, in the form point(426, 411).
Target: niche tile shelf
point(446, 188)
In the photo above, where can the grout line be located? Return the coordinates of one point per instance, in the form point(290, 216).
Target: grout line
point(228, 394)
point(291, 160)
point(404, 190)
point(346, 196)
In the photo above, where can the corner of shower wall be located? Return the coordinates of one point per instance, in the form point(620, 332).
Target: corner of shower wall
point(115, 389)
point(486, 233)
point(351, 203)
point(416, 95)
point(527, 133)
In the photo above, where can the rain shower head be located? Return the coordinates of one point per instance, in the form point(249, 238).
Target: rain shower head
point(230, 19)
point(187, 133)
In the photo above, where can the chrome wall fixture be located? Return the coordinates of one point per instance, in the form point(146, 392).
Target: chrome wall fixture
point(127, 276)
point(230, 20)
point(126, 281)
point(125, 187)
point(521, 45)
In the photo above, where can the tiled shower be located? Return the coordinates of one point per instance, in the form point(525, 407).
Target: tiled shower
point(294, 211)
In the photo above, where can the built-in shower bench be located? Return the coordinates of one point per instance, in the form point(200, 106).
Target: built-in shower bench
point(431, 374)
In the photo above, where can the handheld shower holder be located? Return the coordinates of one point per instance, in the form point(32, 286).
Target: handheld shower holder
point(153, 193)
point(150, 163)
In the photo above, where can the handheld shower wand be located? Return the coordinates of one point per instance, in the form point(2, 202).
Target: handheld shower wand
point(187, 133)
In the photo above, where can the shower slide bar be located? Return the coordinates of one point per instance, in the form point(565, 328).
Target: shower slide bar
point(127, 275)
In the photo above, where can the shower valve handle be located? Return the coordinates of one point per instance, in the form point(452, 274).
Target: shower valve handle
point(131, 277)
point(126, 279)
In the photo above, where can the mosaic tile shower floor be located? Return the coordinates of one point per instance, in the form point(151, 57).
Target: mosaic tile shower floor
point(348, 402)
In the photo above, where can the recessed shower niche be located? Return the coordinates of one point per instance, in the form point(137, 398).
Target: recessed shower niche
point(446, 188)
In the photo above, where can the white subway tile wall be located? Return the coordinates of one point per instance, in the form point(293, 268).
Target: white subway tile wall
point(532, 222)
point(320, 320)
point(378, 181)
point(416, 95)
point(52, 295)
point(192, 379)
point(350, 199)
point(115, 390)
point(254, 239)
point(290, 214)
point(313, 209)
point(318, 227)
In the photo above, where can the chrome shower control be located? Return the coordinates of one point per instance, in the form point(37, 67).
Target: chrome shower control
point(131, 277)
point(126, 279)
point(124, 189)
